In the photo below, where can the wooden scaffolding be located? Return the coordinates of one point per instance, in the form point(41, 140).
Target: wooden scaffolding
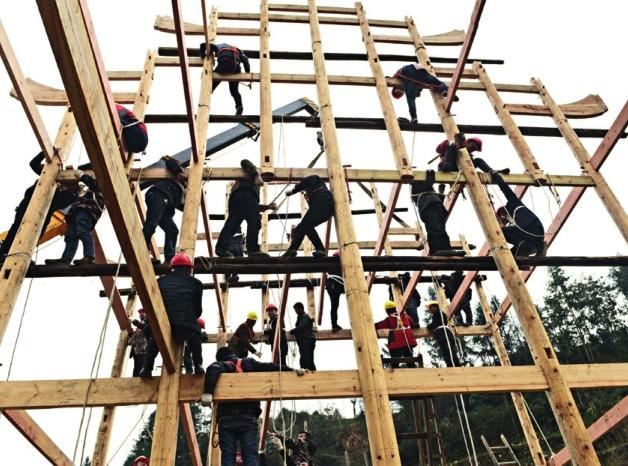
point(90, 108)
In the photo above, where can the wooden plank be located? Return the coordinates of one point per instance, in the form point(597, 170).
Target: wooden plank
point(25, 97)
point(607, 196)
point(187, 420)
point(453, 37)
point(267, 159)
point(18, 260)
point(36, 436)
point(381, 431)
point(561, 399)
point(93, 107)
point(125, 75)
point(29, 394)
point(611, 419)
point(334, 10)
point(46, 95)
point(588, 107)
point(464, 52)
point(305, 19)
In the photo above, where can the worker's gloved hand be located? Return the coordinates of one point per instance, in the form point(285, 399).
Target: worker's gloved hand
point(258, 353)
point(430, 176)
point(301, 372)
point(414, 121)
point(272, 206)
point(276, 441)
point(206, 399)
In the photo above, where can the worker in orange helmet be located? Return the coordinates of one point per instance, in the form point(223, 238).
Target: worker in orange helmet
point(182, 295)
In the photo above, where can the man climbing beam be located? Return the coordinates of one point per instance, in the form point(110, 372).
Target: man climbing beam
point(448, 154)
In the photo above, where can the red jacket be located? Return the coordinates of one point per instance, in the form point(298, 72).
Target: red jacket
point(398, 337)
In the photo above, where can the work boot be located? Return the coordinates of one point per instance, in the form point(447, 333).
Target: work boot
point(319, 253)
point(444, 96)
point(56, 261)
point(335, 327)
point(290, 253)
point(239, 110)
point(198, 369)
point(467, 324)
point(504, 171)
point(155, 260)
point(258, 254)
point(223, 253)
point(85, 260)
point(206, 399)
point(232, 279)
point(448, 253)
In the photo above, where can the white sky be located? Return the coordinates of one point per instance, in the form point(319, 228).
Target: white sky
point(575, 47)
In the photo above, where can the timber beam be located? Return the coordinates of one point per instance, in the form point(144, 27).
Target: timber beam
point(294, 175)
point(44, 394)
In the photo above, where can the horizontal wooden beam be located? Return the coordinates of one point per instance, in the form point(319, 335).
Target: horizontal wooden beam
point(42, 394)
point(352, 174)
point(276, 247)
point(454, 37)
point(282, 265)
point(47, 95)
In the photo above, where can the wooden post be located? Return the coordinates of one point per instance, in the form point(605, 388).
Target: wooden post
point(307, 251)
point(381, 431)
point(187, 420)
point(267, 169)
point(560, 397)
point(321, 296)
point(607, 196)
point(500, 348)
point(511, 128)
point(18, 260)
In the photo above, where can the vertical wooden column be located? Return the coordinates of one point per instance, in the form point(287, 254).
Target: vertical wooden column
point(307, 251)
point(517, 397)
point(511, 128)
point(560, 397)
point(267, 169)
point(99, 458)
point(381, 431)
point(607, 196)
point(19, 258)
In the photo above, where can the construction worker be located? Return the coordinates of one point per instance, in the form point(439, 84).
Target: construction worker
point(138, 343)
point(303, 332)
point(442, 333)
point(183, 299)
point(433, 214)
point(321, 208)
point(521, 227)
point(414, 78)
point(448, 154)
point(229, 59)
point(300, 450)
point(134, 132)
point(162, 198)
point(81, 220)
point(412, 308)
point(141, 461)
point(237, 421)
point(269, 333)
point(236, 247)
point(451, 285)
point(188, 362)
point(335, 286)
point(64, 196)
point(244, 205)
point(240, 342)
point(401, 340)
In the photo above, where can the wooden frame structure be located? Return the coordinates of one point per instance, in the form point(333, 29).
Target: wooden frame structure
point(87, 91)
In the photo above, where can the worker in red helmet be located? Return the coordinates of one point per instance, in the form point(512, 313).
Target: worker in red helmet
point(183, 299)
point(335, 286)
point(269, 333)
point(414, 78)
point(448, 154)
point(141, 461)
point(188, 362)
point(134, 132)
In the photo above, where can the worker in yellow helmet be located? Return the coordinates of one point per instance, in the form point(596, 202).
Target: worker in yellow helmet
point(443, 335)
point(240, 342)
point(401, 340)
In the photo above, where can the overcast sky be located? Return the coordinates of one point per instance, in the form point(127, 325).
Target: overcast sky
point(575, 47)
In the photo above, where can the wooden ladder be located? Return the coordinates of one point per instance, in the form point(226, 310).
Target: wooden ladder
point(427, 434)
point(501, 454)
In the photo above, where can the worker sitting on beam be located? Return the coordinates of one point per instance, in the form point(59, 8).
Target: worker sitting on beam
point(448, 154)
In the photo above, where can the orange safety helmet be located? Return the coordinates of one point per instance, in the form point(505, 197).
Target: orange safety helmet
point(397, 93)
point(181, 259)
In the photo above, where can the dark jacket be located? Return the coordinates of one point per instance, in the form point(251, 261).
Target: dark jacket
point(523, 217)
point(310, 184)
point(183, 297)
point(127, 117)
point(251, 183)
point(335, 284)
point(439, 319)
point(405, 280)
point(229, 57)
point(301, 450)
point(91, 200)
point(424, 196)
point(173, 189)
point(270, 335)
point(452, 285)
point(303, 329)
point(240, 341)
point(248, 365)
point(62, 198)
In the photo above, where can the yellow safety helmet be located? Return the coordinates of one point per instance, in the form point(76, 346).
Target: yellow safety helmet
point(431, 303)
point(252, 315)
point(390, 305)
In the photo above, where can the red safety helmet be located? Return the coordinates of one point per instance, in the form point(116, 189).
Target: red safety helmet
point(501, 213)
point(141, 311)
point(397, 93)
point(478, 142)
point(181, 259)
point(141, 458)
point(270, 306)
point(337, 254)
point(201, 322)
point(442, 147)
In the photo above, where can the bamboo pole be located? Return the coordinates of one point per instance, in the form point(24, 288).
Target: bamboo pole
point(381, 431)
point(560, 397)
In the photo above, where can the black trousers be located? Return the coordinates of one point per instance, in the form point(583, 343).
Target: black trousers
point(320, 210)
point(233, 85)
point(243, 206)
point(138, 362)
point(465, 307)
point(306, 353)
point(283, 353)
point(404, 352)
point(190, 337)
point(523, 244)
point(160, 213)
point(434, 217)
point(334, 290)
point(447, 344)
